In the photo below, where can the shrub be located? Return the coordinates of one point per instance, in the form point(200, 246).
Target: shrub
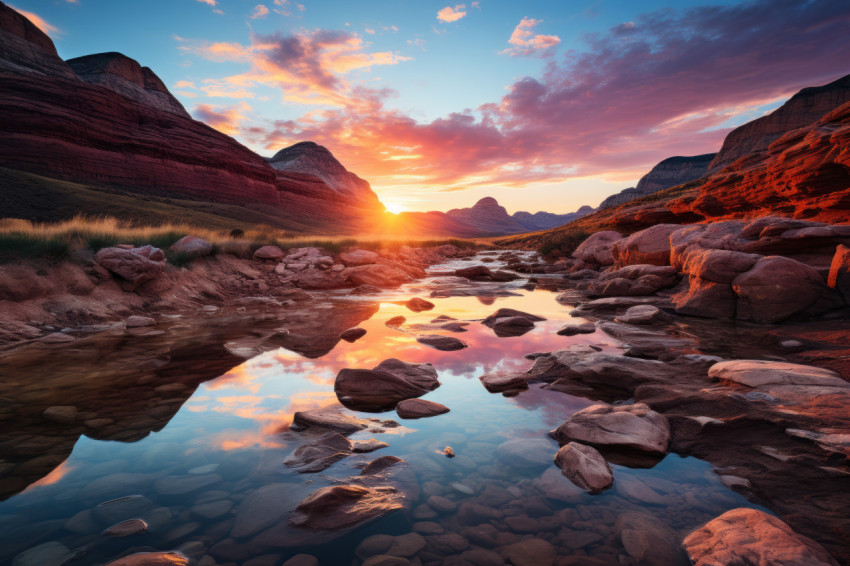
point(562, 243)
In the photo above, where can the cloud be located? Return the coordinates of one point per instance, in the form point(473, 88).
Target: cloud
point(184, 84)
point(631, 96)
point(285, 7)
point(260, 11)
point(38, 22)
point(210, 2)
point(309, 66)
point(224, 119)
point(525, 42)
point(449, 14)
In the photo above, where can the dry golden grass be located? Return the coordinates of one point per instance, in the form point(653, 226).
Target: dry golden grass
point(21, 239)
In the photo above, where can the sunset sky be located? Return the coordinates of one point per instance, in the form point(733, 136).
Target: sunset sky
point(545, 105)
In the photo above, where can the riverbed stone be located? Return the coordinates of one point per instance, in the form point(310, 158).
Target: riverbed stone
point(630, 427)
point(531, 552)
point(51, 553)
point(262, 508)
point(152, 559)
point(341, 506)
point(575, 329)
point(417, 304)
point(419, 408)
point(333, 419)
point(319, 454)
point(442, 343)
point(584, 466)
point(127, 528)
point(353, 334)
point(526, 452)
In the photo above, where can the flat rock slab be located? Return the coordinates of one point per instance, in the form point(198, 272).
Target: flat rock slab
point(748, 536)
point(419, 408)
point(498, 382)
point(320, 454)
point(442, 343)
point(341, 506)
point(152, 559)
point(629, 427)
point(575, 329)
point(335, 420)
point(126, 528)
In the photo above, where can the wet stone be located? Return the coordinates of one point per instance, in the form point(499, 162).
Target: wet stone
point(126, 528)
point(152, 559)
point(179, 485)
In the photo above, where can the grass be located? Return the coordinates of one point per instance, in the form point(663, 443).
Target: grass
point(562, 243)
point(23, 239)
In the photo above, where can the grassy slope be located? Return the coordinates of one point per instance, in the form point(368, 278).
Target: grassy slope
point(42, 199)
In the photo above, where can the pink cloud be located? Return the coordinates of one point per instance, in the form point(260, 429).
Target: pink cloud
point(260, 11)
point(224, 119)
point(449, 14)
point(525, 42)
point(38, 21)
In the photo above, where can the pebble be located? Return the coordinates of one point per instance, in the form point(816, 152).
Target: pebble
point(466, 490)
point(126, 528)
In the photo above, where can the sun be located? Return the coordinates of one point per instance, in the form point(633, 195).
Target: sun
point(394, 208)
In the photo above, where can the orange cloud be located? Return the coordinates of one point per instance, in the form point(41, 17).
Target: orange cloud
point(38, 21)
point(449, 14)
point(210, 2)
point(525, 42)
point(225, 120)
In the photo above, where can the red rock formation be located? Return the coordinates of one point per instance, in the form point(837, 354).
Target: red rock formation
point(668, 173)
point(117, 126)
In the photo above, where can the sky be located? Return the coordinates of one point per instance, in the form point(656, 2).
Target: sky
point(542, 104)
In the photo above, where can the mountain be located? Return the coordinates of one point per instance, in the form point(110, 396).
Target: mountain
point(77, 133)
point(668, 173)
point(546, 220)
point(805, 107)
point(488, 217)
point(804, 173)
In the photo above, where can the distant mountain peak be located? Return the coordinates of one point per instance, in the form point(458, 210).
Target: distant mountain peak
point(313, 159)
point(486, 202)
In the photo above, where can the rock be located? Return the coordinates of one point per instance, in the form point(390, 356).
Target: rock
point(192, 246)
point(63, 414)
point(498, 382)
point(597, 248)
point(647, 540)
point(261, 509)
point(375, 544)
point(152, 559)
point(353, 334)
point(178, 485)
point(706, 298)
point(378, 275)
point(748, 536)
point(526, 453)
point(383, 387)
point(441, 504)
point(776, 288)
point(839, 272)
point(511, 326)
point(395, 321)
point(555, 486)
point(419, 408)
point(442, 343)
point(46, 554)
point(385, 560)
point(418, 305)
point(213, 509)
point(475, 273)
point(491, 320)
point(136, 321)
point(302, 560)
point(642, 314)
point(630, 427)
point(358, 257)
point(320, 454)
point(137, 266)
point(329, 419)
point(719, 266)
point(407, 545)
point(370, 445)
point(126, 528)
point(584, 466)
point(341, 506)
point(366, 290)
point(56, 338)
point(269, 253)
point(650, 246)
point(531, 552)
point(574, 329)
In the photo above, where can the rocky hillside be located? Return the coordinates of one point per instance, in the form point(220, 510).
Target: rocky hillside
point(123, 133)
point(805, 107)
point(804, 173)
point(668, 173)
point(546, 220)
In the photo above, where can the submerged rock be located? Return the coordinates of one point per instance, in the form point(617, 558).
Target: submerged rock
point(331, 419)
point(127, 528)
point(320, 454)
point(584, 466)
point(442, 343)
point(419, 408)
point(630, 427)
point(418, 305)
point(152, 559)
point(748, 536)
point(384, 386)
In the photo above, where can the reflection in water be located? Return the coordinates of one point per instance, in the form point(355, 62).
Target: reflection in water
point(203, 434)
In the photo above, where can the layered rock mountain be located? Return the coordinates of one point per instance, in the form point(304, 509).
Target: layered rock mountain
point(488, 217)
point(108, 123)
point(668, 173)
point(805, 107)
point(545, 220)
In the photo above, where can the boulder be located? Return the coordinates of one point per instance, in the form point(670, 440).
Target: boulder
point(137, 266)
point(584, 466)
point(269, 253)
point(475, 273)
point(442, 343)
point(530, 552)
point(491, 320)
point(320, 454)
point(574, 329)
point(706, 298)
point(839, 272)
point(629, 427)
point(642, 314)
point(498, 382)
point(512, 326)
point(383, 387)
point(749, 536)
point(650, 246)
point(358, 257)
point(719, 266)
point(330, 419)
point(353, 334)
point(419, 408)
point(776, 288)
point(192, 246)
point(136, 321)
point(697, 237)
point(597, 248)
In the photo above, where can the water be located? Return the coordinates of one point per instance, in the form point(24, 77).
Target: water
point(177, 421)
